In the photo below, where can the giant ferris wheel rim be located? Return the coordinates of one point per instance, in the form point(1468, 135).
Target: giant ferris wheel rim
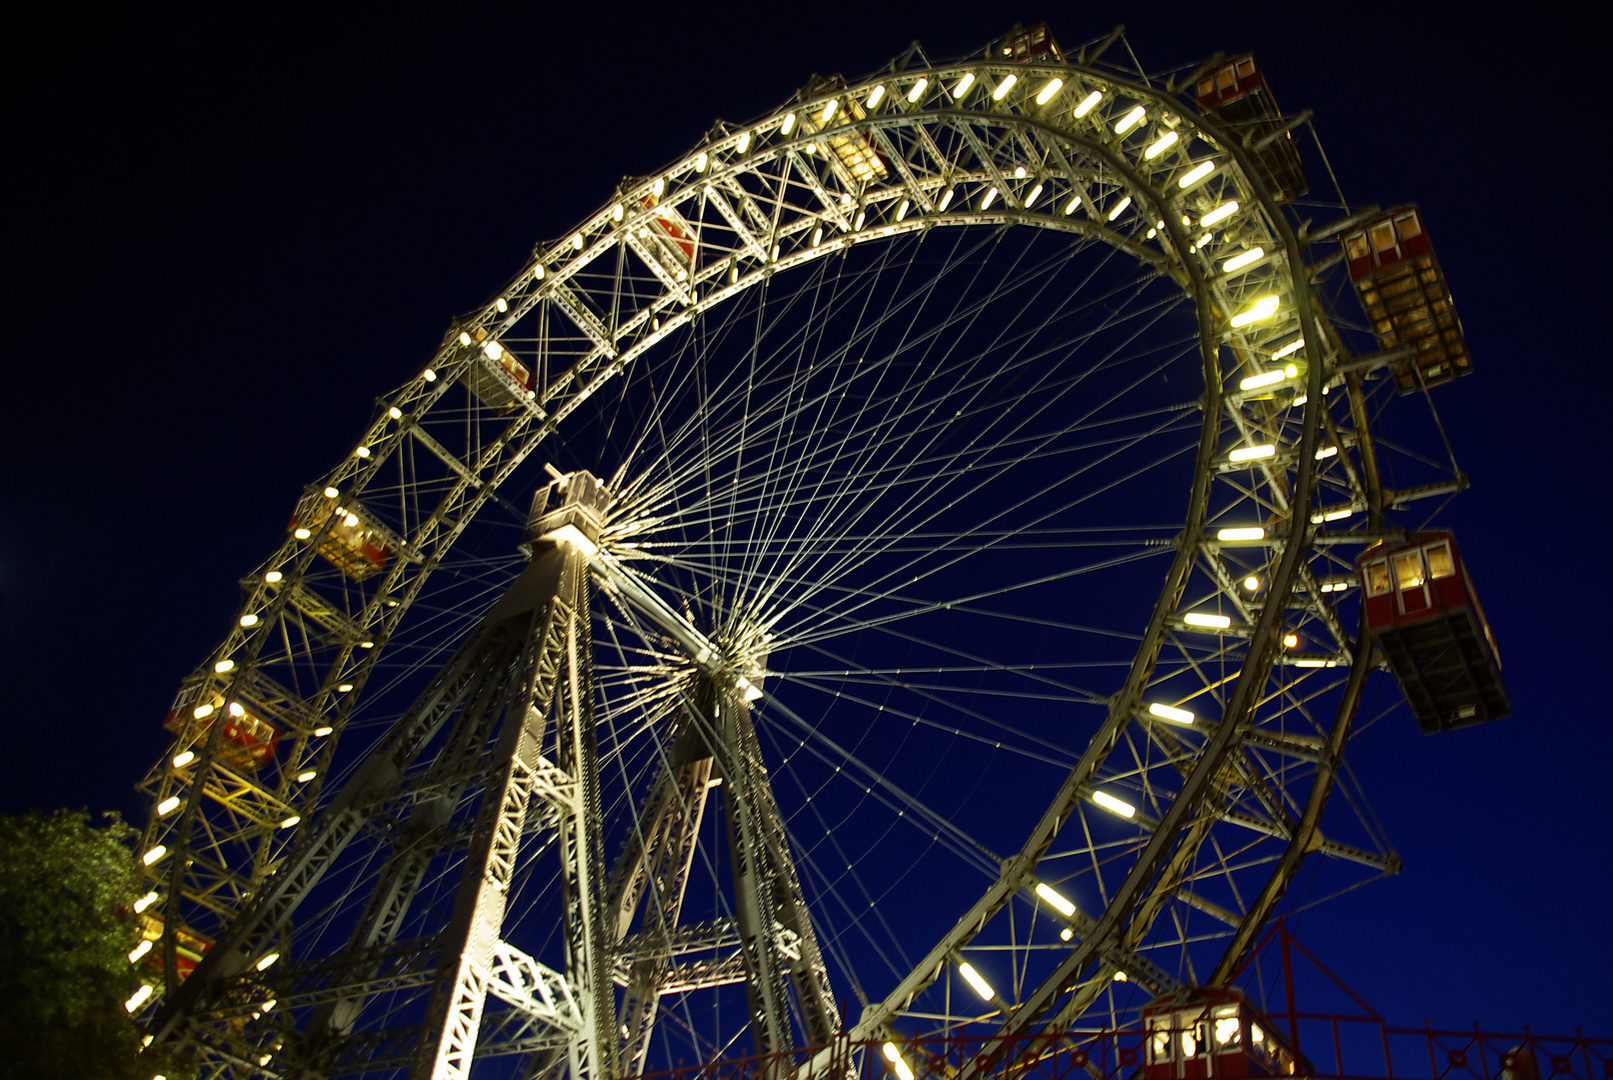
point(546, 279)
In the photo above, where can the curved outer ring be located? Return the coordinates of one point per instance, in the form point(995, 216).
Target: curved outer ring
point(1134, 907)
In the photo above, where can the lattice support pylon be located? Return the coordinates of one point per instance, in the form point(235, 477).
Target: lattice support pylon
point(496, 758)
point(774, 946)
point(520, 687)
point(559, 682)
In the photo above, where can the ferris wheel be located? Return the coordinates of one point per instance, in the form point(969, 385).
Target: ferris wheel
point(937, 611)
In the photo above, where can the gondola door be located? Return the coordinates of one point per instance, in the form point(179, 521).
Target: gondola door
point(1411, 582)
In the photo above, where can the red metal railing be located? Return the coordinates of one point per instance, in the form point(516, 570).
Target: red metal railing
point(1324, 1046)
point(1331, 1048)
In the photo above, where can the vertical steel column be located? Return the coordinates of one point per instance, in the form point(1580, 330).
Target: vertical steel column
point(659, 859)
point(557, 675)
point(455, 1012)
point(775, 927)
point(588, 948)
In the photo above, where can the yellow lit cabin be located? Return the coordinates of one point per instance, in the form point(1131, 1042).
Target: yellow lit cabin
point(348, 537)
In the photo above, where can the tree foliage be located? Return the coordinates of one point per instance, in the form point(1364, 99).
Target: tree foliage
point(67, 891)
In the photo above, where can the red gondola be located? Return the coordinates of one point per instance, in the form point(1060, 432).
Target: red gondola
point(249, 740)
point(667, 243)
point(1211, 1032)
point(1423, 611)
point(1404, 294)
point(189, 946)
point(497, 376)
point(354, 542)
point(851, 155)
point(1035, 45)
point(676, 236)
point(1236, 94)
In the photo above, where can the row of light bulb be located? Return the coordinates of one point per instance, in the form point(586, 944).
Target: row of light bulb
point(236, 710)
point(1128, 122)
point(1264, 451)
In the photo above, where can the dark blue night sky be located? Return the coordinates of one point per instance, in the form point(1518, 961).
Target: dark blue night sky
point(229, 227)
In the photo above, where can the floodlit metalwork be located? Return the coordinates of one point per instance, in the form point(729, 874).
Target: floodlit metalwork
point(736, 728)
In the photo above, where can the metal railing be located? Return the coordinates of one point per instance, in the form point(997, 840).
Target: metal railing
point(1327, 1047)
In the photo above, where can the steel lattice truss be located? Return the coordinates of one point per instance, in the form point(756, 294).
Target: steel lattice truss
point(756, 520)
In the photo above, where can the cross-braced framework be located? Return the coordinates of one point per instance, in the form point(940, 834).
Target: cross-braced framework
point(983, 466)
